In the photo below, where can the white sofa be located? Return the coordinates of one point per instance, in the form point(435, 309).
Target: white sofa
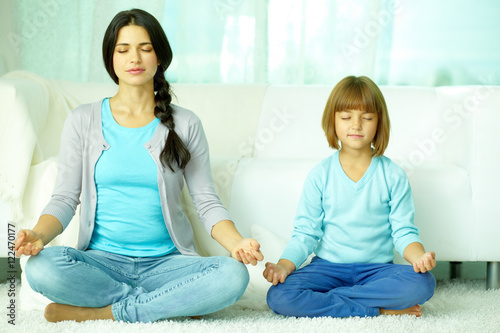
point(263, 141)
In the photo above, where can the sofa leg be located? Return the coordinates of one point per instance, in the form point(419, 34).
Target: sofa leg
point(455, 269)
point(493, 275)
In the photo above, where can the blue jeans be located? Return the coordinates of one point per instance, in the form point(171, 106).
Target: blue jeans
point(323, 289)
point(139, 289)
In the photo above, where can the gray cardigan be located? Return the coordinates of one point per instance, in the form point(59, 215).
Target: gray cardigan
point(82, 143)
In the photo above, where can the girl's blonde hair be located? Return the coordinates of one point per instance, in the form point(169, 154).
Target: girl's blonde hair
point(357, 93)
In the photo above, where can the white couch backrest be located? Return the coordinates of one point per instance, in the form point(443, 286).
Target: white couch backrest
point(461, 108)
point(223, 109)
point(229, 114)
point(290, 123)
point(413, 115)
point(82, 93)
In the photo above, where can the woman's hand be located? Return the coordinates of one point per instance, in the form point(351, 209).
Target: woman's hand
point(247, 251)
point(28, 243)
point(277, 273)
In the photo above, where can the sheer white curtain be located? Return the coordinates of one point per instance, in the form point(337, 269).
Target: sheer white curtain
point(62, 39)
point(399, 42)
point(219, 41)
point(446, 42)
point(279, 41)
point(320, 42)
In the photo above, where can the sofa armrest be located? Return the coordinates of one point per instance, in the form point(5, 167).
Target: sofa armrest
point(486, 176)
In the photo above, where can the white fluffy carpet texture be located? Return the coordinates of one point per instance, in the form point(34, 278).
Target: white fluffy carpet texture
point(457, 306)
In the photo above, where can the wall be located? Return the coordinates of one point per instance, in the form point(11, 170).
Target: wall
point(9, 60)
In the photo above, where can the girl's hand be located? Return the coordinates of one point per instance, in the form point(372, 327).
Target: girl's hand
point(425, 263)
point(28, 243)
point(247, 251)
point(275, 273)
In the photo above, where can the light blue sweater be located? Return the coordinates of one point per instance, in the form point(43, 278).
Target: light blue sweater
point(343, 221)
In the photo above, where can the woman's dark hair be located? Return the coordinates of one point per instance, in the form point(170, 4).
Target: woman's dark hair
point(175, 150)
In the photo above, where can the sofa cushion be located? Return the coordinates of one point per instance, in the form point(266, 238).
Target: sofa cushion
point(443, 209)
point(266, 192)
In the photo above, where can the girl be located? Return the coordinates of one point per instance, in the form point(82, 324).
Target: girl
point(355, 207)
point(125, 158)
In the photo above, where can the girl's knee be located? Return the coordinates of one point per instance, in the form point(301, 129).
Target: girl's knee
point(274, 295)
point(425, 286)
point(419, 288)
point(281, 300)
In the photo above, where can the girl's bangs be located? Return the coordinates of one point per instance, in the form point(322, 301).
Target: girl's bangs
point(356, 98)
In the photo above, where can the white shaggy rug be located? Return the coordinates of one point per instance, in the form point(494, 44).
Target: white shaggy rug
point(457, 306)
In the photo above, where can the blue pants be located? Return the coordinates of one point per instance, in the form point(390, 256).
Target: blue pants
point(139, 289)
point(323, 289)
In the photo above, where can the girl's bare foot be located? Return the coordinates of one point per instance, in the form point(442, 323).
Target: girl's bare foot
point(55, 312)
point(413, 311)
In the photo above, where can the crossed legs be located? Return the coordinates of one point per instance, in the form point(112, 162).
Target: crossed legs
point(343, 290)
point(98, 285)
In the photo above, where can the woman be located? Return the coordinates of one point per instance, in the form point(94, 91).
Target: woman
point(125, 159)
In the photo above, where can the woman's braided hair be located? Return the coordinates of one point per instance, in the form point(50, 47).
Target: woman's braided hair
point(174, 151)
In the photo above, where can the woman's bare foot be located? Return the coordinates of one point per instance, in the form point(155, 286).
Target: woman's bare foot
point(55, 312)
point(413, 311)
